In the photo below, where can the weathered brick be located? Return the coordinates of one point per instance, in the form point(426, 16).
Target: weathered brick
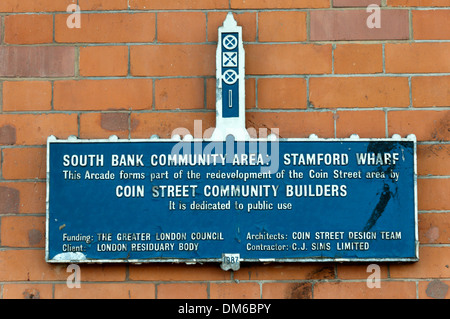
point(248, 290)
point(430, 91)
point(278, 4)
point(281, 26)
point(360, 271)
point(433, 263)
point(107, 28)
point(104, 61)
point(335, 92)
point(29, 29)
point(7, 135)
point(163, 124)
point(33, 129)
point(432, 159)
point(173, 60)
point(431, 24)
point(434, 289)
point(37, 61)
point(29, 265)
point(417, 57)
point(293, 124)
point(370, 124)
point(287, 59)
point(177, 272)
point(181, 27)
point(23, 231)
point(360, 290)
point(434, 228)
point(27, 95)
point(358, 58)
point(180, 93)
point(286, 271)
point(27, 291)
point(182, 291)
point(426, 125)
point(124, 94)
point(352, 25)
point(23, 197)
point(103, 125)
point(287, 290)
point(282, 93)
point(24, 163)
point(176, 4)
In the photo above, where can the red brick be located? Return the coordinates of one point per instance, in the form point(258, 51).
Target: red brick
point(173, 60)
point(104, 61)
point(285, 271)
point(430, 91)
point(351, 25)
point(355, 3)
point(37, 61)
point(103, 125)
point(178, 5)
point(293, 124)
point(248, 290)
point(431, 24)
point(278, 4)
point(287, 59)
point(370, 124)
point(34, 6)
point(103, 4)
point(432, 194)
point(29, 29)
point(28, 291)
point(23, 231)
point(106, 291)
point(124, 94)
point(359, 271)
point(426, 125)
point(24, 197)
point(181, 27)
point(24, 163)
point(432, 159)
point(418, 3)
point(33, 129)
point(180, 93)
point(433, 263)
point(163, 124)
point(177, 272)
point(434, 289)
point(281, 26)
point(360, 290)
point(7, 135)
point(417, 57)
point(434, 228)
point(245, 19)
point(27, 95)
point(358, 58)
point(283, 93)
point(182, 291)
point(359, 92)
point(29, 265)
point(287, 290)
point(107, 28)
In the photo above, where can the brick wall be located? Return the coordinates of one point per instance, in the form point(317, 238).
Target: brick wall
point(138, 67)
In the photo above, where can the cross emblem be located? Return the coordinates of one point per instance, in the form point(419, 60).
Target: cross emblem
point(230, 77)
point(230, 42)
point(229, 59)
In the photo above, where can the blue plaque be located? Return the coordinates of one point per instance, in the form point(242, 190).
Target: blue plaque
point(285, 200)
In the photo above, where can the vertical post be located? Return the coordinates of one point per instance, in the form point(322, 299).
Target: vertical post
point(230, 83)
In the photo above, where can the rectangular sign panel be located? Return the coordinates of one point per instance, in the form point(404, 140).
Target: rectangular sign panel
point(286, 200)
